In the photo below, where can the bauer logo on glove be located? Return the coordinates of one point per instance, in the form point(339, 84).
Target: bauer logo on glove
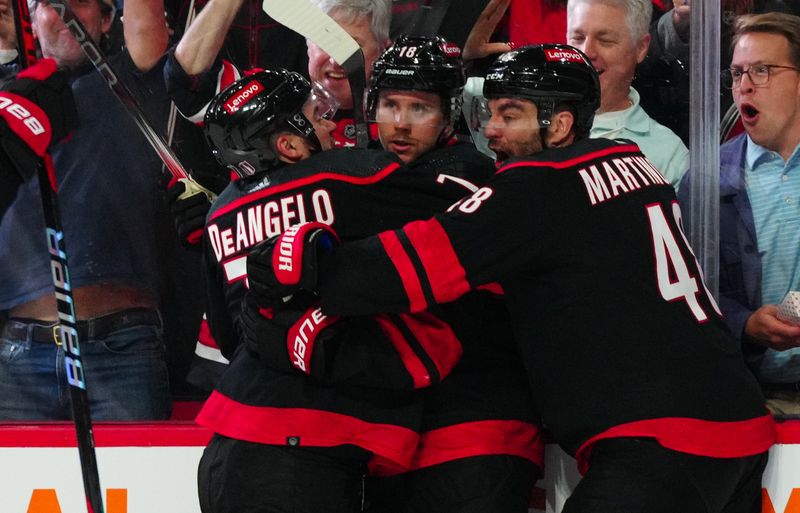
point(279, 267)
point(289, 261)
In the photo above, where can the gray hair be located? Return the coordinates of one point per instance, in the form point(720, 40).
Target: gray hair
point(638, 14)
point(348, 11)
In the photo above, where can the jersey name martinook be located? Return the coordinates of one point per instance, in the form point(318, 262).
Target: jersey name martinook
point(619, 176)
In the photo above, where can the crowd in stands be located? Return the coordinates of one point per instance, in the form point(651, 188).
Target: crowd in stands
point(141, 264)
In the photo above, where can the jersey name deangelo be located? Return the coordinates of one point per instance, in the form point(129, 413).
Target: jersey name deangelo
point(264, 220)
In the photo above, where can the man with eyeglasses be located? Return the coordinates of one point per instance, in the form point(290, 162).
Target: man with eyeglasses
point(760, 203)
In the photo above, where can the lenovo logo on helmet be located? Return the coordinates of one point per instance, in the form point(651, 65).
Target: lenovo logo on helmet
point(451, 50)
point(562, 55)
point(243, 96)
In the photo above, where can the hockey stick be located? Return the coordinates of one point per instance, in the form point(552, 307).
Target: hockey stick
point(310, 21)
point(125, 96)
point(65, 333)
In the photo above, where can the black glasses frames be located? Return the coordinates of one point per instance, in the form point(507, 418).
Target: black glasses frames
point(758, 74)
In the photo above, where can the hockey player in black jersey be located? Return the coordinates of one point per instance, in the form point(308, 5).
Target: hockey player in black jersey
point(414, 100)
point(275, 418)
point(630, 363)
point(472, 454)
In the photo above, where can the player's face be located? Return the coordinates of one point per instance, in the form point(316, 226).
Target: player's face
point(600, 31)
point(56, 40)
point(513, 128)
point(770, 112)
point(322, 127)
point(409, 122)
point(323, 69)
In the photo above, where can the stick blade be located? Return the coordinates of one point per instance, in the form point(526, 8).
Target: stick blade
point(311, 22)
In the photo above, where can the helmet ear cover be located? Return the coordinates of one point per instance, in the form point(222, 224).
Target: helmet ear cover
point(420, 63)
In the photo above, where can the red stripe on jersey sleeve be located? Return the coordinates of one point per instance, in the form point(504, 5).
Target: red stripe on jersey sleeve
point(479, 438)
point(420, 375)
point(408, 275)
point(444, 271)
point(322, 175)
point(627, 148)
point(312, 428)
point(716, 439)
point(437, 339)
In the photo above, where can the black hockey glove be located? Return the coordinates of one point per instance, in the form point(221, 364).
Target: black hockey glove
point(36, 109)
point(283, 265)
point(189, 208)
point(289, 337)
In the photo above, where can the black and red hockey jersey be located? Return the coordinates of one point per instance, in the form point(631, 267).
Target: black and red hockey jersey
point(369, 399)
point(615, 325)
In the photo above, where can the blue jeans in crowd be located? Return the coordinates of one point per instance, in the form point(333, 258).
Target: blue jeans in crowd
point(123, 358)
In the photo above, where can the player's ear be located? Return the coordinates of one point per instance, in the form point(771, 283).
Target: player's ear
point(559, 133)
point(291, 147)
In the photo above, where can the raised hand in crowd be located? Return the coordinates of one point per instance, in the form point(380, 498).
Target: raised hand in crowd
point(478, 45)
point(681, 13)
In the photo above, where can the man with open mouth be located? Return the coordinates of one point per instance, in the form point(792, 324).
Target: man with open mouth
point(760, 202)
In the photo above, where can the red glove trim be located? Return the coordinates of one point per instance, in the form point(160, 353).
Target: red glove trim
point(27, 120)
point(287, 257)
point(303, 334)
point(39, 71)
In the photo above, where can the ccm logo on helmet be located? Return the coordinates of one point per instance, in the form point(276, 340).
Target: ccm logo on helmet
point(242, 97)
point(451, 50)
point(563, 55)
point(30, 121)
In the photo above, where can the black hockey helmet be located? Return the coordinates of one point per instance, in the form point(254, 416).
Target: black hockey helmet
point(420, 63)
point(241, 119)
point(548, 75)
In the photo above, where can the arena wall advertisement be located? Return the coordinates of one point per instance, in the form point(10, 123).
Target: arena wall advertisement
point(151, 468)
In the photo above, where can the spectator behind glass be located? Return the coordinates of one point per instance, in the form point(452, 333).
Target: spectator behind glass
point(614, 35)
point(671, 43)
point(672, 29)
point(107, 177)
point(760, 202)
point(8, 35)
